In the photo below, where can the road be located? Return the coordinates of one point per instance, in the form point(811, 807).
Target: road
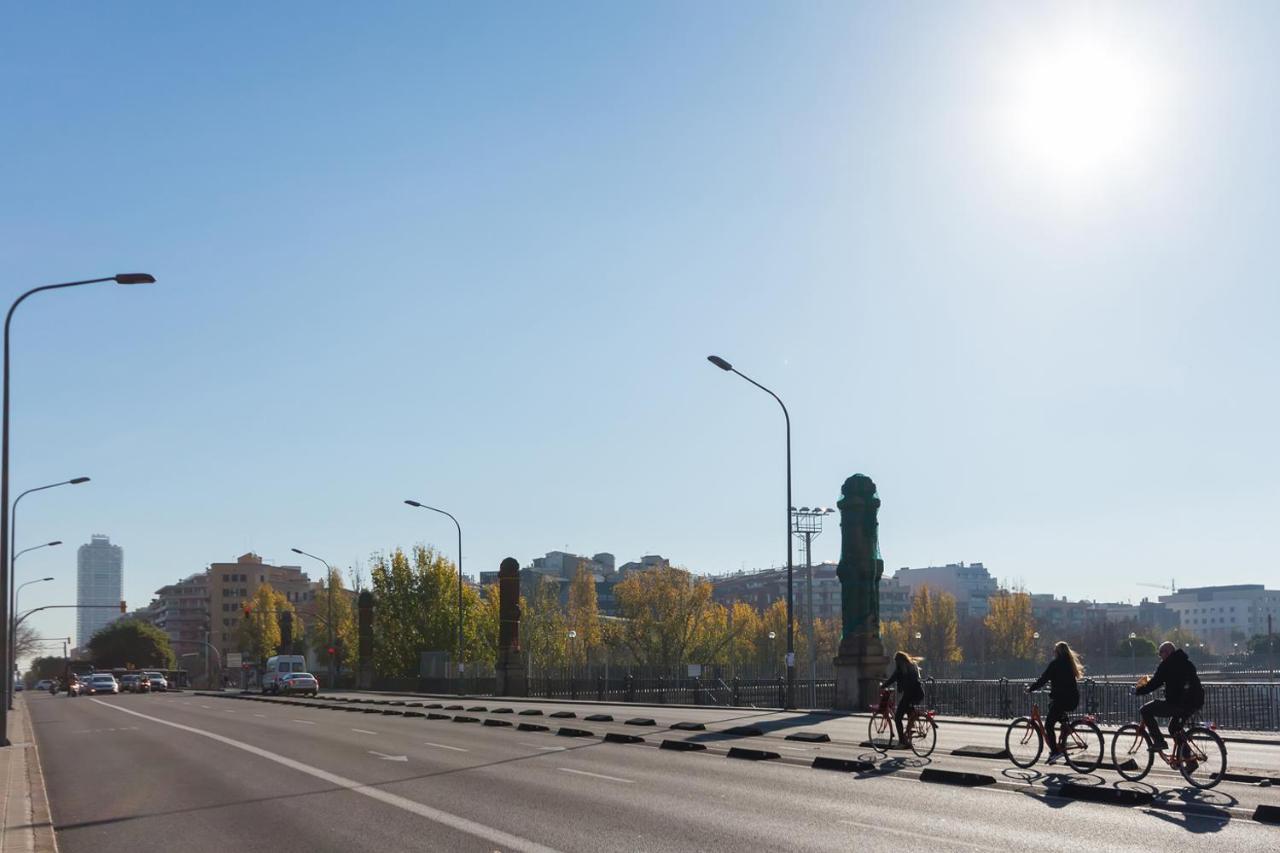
point(148, 772)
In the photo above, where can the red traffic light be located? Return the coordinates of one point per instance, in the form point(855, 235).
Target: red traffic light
point(332, 650)
point(248, 611)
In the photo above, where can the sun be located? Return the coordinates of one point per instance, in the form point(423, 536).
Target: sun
point(1080, 108)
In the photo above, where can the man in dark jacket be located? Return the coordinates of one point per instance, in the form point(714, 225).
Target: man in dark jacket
point(1183, 694)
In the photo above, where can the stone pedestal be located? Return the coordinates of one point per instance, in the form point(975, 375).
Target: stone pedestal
point(860, 667)
point(512, 675)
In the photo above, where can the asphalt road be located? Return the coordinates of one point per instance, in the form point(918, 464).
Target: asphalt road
point(209, 773)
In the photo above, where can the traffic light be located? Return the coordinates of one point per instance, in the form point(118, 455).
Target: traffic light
point(123, 608)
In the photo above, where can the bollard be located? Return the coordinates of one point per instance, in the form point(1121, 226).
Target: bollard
point(630, 683)
point(737, 690)
point(782, 692)
point(1004, 699)
point(573, 687)
point(697, 690)
point(662, 690)
point(599, 688)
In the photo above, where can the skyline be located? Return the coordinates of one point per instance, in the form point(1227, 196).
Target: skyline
point(479, 261)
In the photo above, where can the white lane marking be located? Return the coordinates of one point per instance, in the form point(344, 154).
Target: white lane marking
point(364, 731)
point(202, 706)
point(943, 839)
point(228, 710)
point(462, 824)
point(535, 746)
point(260, 715)
point(596, 775)
point(305, 722)
point(386, 757)
point(444, 746)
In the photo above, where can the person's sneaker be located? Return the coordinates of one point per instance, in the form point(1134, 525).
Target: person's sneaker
point(1055, 757)
point(1157, 747)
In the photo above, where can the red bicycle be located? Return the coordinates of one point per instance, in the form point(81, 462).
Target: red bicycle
point(1198, 753)
point(1080, 741)
point(921, 730)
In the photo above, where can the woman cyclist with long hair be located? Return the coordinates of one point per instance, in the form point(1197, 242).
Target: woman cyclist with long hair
point(906, 674)
point(1061, 675)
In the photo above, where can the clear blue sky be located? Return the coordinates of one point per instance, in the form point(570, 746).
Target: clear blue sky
point(1015, 262)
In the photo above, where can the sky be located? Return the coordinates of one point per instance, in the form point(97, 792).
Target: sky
point(1014, 261)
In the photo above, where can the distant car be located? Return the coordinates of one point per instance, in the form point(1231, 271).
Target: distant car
point(18, 686)
point(159, 684)
point(135, 682)
point(103, 682)
point(299, 682)
point(44, 684)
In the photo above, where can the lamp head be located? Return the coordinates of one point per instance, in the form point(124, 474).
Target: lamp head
point(54, 542)
point(719, 362)
point(296, 550)
point(135, 278)
point(46, 579)
point(414, 503)
point(78, 480)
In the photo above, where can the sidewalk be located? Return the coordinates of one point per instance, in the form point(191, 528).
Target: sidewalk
point(25, 825)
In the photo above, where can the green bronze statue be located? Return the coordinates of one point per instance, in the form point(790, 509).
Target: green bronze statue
point(860, 567)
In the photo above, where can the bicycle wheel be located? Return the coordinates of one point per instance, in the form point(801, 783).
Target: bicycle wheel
point(1130, 754)
point(1204, 758)
point(1083, 744)
point(924, 736)
point(879, 732)
point(1023, 741)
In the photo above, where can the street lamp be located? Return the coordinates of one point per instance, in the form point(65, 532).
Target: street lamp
point(1133, 654)
point(919, 636)
point(13, 641)
point(418, 505)
point(122, 278)
point(13, 578)
point(773, 650)
point(328, 585)
point(791, 649)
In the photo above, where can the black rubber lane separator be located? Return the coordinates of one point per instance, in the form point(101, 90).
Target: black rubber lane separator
point(454, 708)
point(413, 704)
point(396, 703)
point(462, 719)
point(391, 713)
point(955, 777)
point(414, 714)
point(563, 715)
point(533, 727)
point(810, 737)
point(502, 711)
point(690, 727)
point(1106, 794)
point(480, 709)
point(435, 716)
point(745, 731)
point(371, 710)
point(619, 737)
point(752, 754)
point(996, 752)
point(682, 745)
point(566, 731)
point(598, 718)
point(641, 721)
point(434, 705)
point(1267, 814)
point(531, 712)
point(497, 722)
point(843, 765)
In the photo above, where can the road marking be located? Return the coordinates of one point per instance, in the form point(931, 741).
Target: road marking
point(462, 824)
point(202, 706)
point(364, 731)
point(535, 746)
point(445, 746)
point(596, 775)
point(910, 834)
point(260, 715)
point(228, 710)
point(305, 722)
point(386, 757)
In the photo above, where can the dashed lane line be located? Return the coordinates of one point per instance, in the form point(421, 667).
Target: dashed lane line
point(461, 824)
point(879, 827)
point(445, 746)
point(364, 731)
point(596, 775)
point(305, 722)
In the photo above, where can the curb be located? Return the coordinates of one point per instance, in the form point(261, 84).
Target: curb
point(955, 777)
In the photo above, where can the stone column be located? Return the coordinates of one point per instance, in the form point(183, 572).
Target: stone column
point(861, 663)
point(511, 664)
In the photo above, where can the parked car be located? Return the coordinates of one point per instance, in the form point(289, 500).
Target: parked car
point(299, 682)
point(43, 684)
point(135, 682)
point(18, 686)
point(103, 682)
point(159, 684)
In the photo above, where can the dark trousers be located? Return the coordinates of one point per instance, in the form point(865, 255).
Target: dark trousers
point(1175, 711)
point(1058, 708)
point(905, 704)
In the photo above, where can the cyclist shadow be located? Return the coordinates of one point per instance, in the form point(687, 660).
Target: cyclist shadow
point(1052, 779)
point(1208, 811)
point(886, 764)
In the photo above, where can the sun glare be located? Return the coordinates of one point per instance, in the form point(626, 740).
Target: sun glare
point(1082, 109)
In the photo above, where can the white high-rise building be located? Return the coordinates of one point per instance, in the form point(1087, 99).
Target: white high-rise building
point(99, 582)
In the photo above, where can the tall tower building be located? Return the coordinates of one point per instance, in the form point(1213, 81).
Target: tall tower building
point(99, 581)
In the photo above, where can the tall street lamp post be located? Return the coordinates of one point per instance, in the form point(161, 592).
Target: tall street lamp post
point(791, 629)
point(418, 505)
point(13, 578)
point(807, 524)
point(13, 637)
point(122, 278)
point(328, 585)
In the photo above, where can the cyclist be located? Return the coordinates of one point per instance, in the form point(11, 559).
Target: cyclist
point(906, 674)
point(1183, 694)
point(1061, 675)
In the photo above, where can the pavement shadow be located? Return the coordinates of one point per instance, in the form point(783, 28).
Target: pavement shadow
point(765, 726)
point(1197, 823)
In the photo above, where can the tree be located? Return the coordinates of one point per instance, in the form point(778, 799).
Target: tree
point(260, 627)
point(1138, 647)
point(417, 611)
point(743, 650)
point(893, 635)
point(487, 622)
point(333, 617)
point(1010, 627)
point(1182, 638)
point(670, 618)
point(583, 615)
point(1260, 645)
point(25, 642)
point(129, 642)
point(933, 616)
point(543, 631)
point(44, 667)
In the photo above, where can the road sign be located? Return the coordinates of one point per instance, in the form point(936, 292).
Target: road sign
point(234, 660)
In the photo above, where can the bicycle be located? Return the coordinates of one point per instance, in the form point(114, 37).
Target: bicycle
point(1198, 754)
point(1080, 740)
point(921, 730)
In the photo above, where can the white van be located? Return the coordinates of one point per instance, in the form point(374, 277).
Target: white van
point(278, 666)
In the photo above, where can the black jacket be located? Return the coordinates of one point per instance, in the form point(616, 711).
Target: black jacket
point(1177, 675)
point(908, 681)
point(1061, 679)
